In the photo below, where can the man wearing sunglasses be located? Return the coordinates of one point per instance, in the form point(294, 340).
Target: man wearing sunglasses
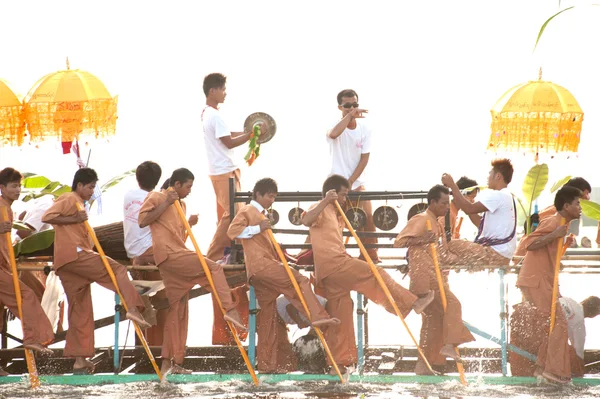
point(350, 146)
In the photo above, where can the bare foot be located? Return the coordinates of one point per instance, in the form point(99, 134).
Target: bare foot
point(135, 316)
point(421, 368)
point(340, 367)
point(165, 368)
point(39, 348)
point(538, 372)
point(450, 351)
point(422, 303)
point(233, 317)
point(3, 373)
point(326, 322)
point(177, 369)
point(555, 378)
point(83, 366)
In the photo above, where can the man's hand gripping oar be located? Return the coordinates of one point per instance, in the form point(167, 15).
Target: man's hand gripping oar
point(299, 293)
point(29, 359)
point(111, 274)
point(188, 228)
point(438, 274)
point(382, 284)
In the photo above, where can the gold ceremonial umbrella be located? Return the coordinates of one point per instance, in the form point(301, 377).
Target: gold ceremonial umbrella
point(70, 103)
point(537, 116)
point(12, 121)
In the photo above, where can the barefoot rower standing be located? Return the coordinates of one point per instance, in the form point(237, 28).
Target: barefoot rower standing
point(179, 267)
point(267, 275)
point(78, 266)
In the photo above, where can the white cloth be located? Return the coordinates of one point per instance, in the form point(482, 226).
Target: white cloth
point(220, 158)
point(499, 219)
point(346, 149)
point(251, 231)
point(282, 303)
point(575, 322)
point(54, 294)
point(33, 216)
point(136, 239)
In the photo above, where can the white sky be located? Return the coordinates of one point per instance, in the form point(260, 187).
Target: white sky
point(428, 71)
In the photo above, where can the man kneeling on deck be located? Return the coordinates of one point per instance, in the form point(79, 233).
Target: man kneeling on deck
point(267, 275)
point(37, 330)
point(536, 281)
point(78, 266)
point(441, 331)
point(496, 239)
point(339, 273)
point(179, 267)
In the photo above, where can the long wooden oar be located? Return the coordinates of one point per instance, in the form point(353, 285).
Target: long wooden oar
point(109, 270)
point(438, 274)
point(555, 286)
point(29, 358)
point(301, 296)
point(188, 228)
point(384, 287)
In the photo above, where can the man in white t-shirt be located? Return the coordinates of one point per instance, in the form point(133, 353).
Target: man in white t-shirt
point(220, 142)
point(496, 239)
point(349, 149)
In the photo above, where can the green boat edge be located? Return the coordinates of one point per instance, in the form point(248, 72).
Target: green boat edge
point(99, 379)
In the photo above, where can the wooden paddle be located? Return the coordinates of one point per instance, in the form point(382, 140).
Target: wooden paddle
point(299, 293)
point(555, 286)
point(438, 274)
point(29, 358)
point(109, 270)
point(188, 228)
point(382, 284)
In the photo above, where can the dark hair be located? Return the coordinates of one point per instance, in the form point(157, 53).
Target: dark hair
point(591, 306)
point(263, 186)
point(335, 182)
point(504, 167)
point(180, 175)
point(10, 175)
point(148, 174)
point(346, 93)
point(535, 221)
point(213, 81)
point(465, 182)
point(566, 195)
point(435, 193)
point(84, 176)
point(580, 183)
point(166, 184)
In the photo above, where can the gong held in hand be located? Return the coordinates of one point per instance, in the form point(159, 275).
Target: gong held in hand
point(268, 123)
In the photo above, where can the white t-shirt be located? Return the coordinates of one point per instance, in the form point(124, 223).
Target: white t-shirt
point(282, 303)
point(499, 220)
point(575, 322)
point(33, 216)
point(136, 239)
point(346, 149)
point(220, 158)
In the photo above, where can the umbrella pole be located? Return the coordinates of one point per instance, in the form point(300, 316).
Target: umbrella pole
point(29, 358)
point(301, 297)
point(212, 286)
point(385, 289)
point(555, 285)
point(118, 290)
point(438, 275)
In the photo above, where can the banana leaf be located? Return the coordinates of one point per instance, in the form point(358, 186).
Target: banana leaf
point(18, 225)
point(556, 186)
point(546, 24)
point(35, 181)
point(590, 209)
point(35, 242)
point(117, 179)
point(533, 186)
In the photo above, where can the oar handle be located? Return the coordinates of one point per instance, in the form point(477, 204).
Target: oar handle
point(559, 252)
point(30, 360)
point(303, 301)
point(113, 278)
point(211, 282)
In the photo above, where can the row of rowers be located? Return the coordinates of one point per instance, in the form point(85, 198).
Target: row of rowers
point(336, 273)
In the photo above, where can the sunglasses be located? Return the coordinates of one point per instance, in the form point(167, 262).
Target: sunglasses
point(350, 105)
